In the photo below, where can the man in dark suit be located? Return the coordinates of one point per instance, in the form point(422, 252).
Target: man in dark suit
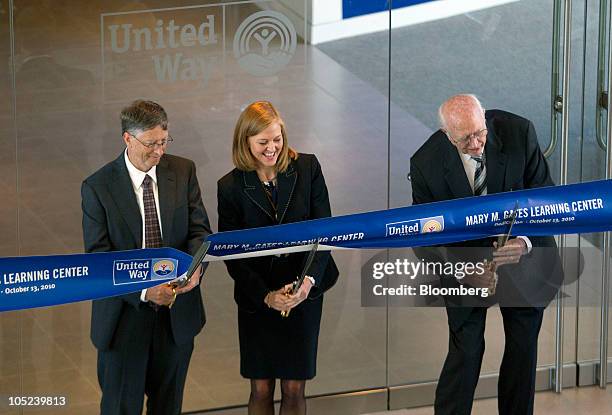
point(145, 339)
point(475, 153)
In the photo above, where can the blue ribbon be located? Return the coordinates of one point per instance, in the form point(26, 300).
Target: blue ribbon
point(58, 279)
point(39, 281)
point(576, 208)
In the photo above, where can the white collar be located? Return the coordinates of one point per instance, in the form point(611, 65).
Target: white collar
point(137, 176)
point(466, 157)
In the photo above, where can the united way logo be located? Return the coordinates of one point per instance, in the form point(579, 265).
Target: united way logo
point(415, 226)
point(163, 268)
point(265, 42)
point(134, 271)
point(433, 225)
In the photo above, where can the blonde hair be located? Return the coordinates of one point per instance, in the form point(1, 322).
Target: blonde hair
point(253, 120)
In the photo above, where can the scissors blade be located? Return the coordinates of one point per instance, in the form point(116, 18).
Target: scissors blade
point(307, 265)
point(195, 263)
point(503, 239)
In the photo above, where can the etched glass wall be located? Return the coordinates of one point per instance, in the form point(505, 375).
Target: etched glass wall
point(76, 65)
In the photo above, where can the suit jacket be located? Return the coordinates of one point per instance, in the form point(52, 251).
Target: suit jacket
point(242, 204)
point(112, 222)
point(513, 160)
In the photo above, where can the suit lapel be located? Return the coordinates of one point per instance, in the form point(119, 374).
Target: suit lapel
point(454, 172)
point(122, 193)
point(286, 184)
point(166, 186)
point(496, 163)
point(254, 191)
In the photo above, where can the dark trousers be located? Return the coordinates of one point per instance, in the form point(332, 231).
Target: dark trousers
point(143, 359)
point(516, 386)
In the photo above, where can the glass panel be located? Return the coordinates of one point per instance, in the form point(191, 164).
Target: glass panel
point(57, 110)
point(345, 125)
point(8, 170)
point(500, 51)
point(10, 323)
point(78, 63)
point(354, 123)
point(593, 167)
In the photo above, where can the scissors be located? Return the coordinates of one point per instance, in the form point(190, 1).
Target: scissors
point(195, 263)
point(502, 240)
point(300, 280)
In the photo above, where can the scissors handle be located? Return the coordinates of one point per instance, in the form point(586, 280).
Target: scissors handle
point(285, 313)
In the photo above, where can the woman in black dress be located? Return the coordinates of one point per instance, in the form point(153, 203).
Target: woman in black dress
point(270, 185)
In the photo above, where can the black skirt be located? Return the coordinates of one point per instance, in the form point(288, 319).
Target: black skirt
point(275, 347)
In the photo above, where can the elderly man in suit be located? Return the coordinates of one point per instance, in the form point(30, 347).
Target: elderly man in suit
point(145, 199)
point(481, 152)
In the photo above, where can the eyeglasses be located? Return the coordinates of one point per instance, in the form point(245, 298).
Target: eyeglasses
point(461, 141)
point(162, 143)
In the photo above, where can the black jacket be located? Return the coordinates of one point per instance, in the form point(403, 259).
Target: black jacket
point(514, 162)
point(243, 204)
point(112, 222)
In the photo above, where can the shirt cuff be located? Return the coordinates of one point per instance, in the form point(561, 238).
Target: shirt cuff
point(312, 280)
point(143, 295)
point(527, 242)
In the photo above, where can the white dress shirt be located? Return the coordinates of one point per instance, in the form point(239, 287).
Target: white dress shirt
point(137, 177)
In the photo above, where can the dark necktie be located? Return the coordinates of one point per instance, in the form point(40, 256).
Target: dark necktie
point(480, 176)
point(480, 188)
point(153, 237)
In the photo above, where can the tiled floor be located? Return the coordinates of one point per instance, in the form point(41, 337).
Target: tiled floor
point(576, 401)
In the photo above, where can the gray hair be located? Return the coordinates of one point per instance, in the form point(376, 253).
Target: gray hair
point(458, 101)
point(141, 116)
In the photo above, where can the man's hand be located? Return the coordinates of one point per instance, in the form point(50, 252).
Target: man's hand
point(193, 282)
point(486, 279)
point(510, 253)
point(161, 295)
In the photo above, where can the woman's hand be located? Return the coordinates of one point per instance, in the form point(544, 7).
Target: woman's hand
point(282, 300)
point(279, 299)
point(302, 293)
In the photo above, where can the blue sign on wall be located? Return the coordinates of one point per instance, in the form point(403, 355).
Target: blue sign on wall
point(352, 8)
